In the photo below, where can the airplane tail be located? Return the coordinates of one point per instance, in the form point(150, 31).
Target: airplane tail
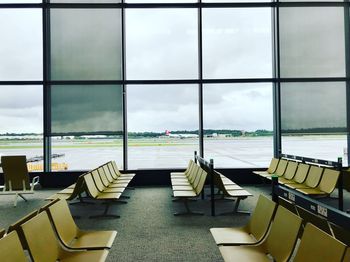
point(167, 132)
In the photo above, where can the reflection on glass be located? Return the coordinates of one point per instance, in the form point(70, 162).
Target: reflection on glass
point(238, 124)
point(85, 44)
point(85, 152)
point(21, 44)
point(237, 43)
point(312, 42)
point(21, 115)
point(89, 109)
point(161, 43)
point(162, 125)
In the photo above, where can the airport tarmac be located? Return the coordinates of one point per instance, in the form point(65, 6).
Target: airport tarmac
point(238, 152)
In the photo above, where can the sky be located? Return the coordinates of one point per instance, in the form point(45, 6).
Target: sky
point(160, 44)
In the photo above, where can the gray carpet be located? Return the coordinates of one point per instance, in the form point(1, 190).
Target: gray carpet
point(147, 229)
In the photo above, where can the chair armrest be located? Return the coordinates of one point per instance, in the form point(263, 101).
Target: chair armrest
point(35, 181)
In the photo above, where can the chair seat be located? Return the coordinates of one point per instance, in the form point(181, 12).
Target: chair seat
point(83, 256)
point(229, 235)
point(239, 193)
point(296, 185)
point(58, 195)
point(109, 196)
point(185, 194)
point(180, 188)
point(113, 190)
point(94, 239)
point(282, 180)
point(67, 191)
point(181, 183)
point(311, 191)
point(243, 254)
point(233, 187)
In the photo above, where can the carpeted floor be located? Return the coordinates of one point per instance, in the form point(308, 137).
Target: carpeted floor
point(147, 229)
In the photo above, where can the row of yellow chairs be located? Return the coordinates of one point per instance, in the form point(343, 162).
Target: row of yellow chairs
point(105, 183)
point(272, 233)
point(305, 178)
point(50, 234)
point(187, 185)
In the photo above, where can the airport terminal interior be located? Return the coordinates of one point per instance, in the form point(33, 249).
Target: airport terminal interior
point(174, 130)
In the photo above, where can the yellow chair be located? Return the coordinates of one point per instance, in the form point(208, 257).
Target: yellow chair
point(253, 232)
point(279, 243)
point(45, 247)
point(185, 174)
point(316, 245)
point(281, 168)
point(71, 236)
point(271, 169)
point(116, 172)
point(17, 227)
point(290, 171)
point(347, 255)
point(11, 249)
point(16, 177)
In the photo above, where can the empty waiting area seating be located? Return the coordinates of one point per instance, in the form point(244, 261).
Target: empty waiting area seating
point(71, 236)
point(40, 236)
point(189, 187)
point(279, 243)
point(253, 232)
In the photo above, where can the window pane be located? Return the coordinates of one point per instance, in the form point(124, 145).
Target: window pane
point(86, 152)
point(21, 115)
point(151, 111)
point(161, 44)
point(237, 43)
point(161, 1)
point(87, 109)
point(21, 44)
point(312, 42)
point(238, 124)
point(85, 44)
point(313, 119)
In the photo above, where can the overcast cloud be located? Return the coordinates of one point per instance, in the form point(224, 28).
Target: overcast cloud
point(160, 44)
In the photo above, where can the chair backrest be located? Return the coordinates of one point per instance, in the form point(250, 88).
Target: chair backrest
point(283, 235)
point(314, 176)
point(17, 227)
point(108, 172)
point(203, 177)
point(97, 179)
point(103, 177)
point(11, 249)
point(41, 239)
point(63, 221)
point(273, 165)
point(281, 168)
point(218, 181)
point(194, 174)
point(261, 218)
point(301, 174)
point(189, 168)
point(329, 180)
point(15, 170)
point(316, 220)
point(116, 169)
point(316, 245)
point(111, 170)
point(90, 186)
point(290, 170)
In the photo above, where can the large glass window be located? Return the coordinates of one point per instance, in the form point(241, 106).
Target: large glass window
point(85, 44)
point(312, 42)
point(21, 115)
point(21, 44)
point(313, 119)
point(87, 123)
point(162, 125)
point(238, 124)
point(237, 43)
point(161, 44)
